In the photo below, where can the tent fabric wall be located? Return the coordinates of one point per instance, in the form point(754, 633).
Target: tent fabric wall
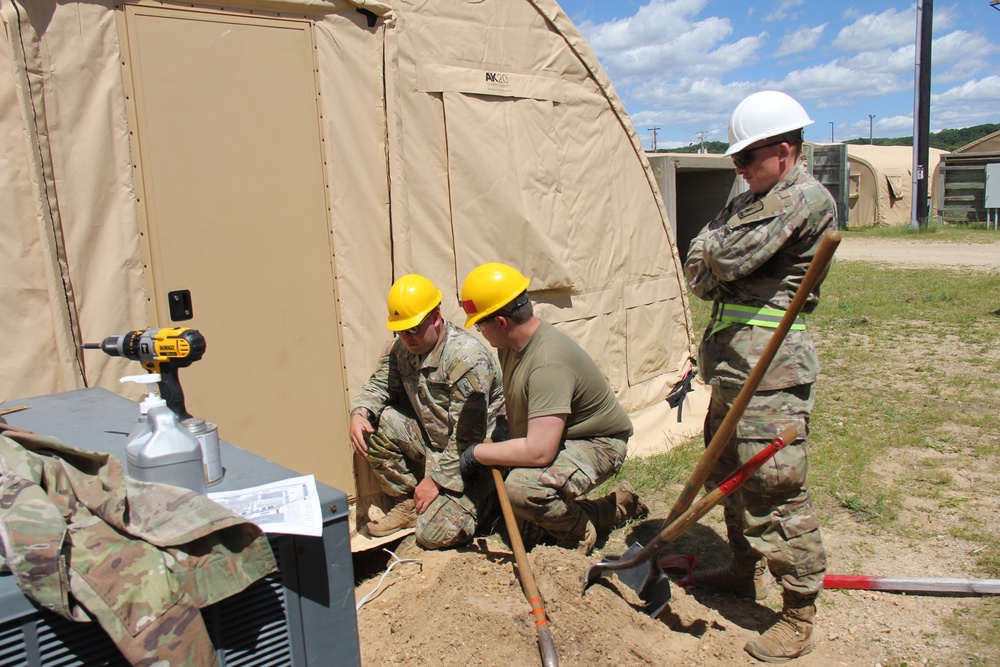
point(454, 133)
point(519, 141)
point(880, 184)
point(75, 274)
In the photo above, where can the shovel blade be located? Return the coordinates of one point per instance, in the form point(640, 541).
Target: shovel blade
point(647, 580)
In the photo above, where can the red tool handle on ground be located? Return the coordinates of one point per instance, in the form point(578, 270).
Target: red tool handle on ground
point(913, 584)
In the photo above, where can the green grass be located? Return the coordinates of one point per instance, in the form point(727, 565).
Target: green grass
point(969, 233)
point(905, 402)
point(900, 350)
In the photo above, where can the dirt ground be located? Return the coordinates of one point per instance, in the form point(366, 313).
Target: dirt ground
point(905, 252)
point(465, 607)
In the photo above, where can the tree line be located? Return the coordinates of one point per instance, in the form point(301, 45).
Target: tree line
point(946, 140)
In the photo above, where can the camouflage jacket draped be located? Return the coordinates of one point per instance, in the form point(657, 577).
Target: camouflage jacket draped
point(755, 253)
point(85, 541)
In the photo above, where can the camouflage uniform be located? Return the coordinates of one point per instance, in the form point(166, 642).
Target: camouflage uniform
point(429, 409)
point(755, 254)
point(140, 558)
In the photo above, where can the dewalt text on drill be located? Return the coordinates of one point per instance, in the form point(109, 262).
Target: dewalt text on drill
point(160, 351)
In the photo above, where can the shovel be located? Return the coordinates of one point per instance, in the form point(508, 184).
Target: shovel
point(546, 647)
point(817, 269)
point(647, 578)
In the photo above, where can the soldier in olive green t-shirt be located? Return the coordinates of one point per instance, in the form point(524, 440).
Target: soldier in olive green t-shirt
point(568, 431)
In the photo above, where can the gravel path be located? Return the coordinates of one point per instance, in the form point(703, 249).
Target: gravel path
point(907, 252)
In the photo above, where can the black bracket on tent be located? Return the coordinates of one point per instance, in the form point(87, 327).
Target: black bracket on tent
point(675, 399)
point(370, 15)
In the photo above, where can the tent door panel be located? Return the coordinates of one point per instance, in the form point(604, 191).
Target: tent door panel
point(503, 172)
point(653, 306)
point(234, 211)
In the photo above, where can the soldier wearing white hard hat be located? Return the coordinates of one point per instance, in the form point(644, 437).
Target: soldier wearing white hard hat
point(749, 261)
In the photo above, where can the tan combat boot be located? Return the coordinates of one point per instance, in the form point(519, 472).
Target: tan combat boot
point(745, 576)
point(791, 636)
point(400, 517)
point(621, 504)
point(583, 537)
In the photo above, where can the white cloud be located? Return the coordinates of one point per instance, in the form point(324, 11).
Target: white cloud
point(960, 55)
point(833, 84)
point(873, 31)
point(972, 103)
point(898, 62)
point(665, 38)
point(803, 39)
point(785, 10)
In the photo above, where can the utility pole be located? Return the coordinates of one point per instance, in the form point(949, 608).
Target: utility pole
point(701, 138)
point(871, 117)
point(921, 114)
point(653, 130)
point(831, 131)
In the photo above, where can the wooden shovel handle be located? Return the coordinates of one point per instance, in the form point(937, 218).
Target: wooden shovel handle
point(688, 518)
point(817, 268)
point(545, 645)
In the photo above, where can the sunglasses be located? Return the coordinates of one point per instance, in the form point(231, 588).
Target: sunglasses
point(413, 331)
point(481, 324)
point(745, 158)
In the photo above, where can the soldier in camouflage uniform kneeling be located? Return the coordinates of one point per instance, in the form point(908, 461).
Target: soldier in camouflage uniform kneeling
point(436, 390)
point(750, 260)
point(569, 433)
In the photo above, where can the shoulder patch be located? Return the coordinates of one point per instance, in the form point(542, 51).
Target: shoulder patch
point(386, 348)
point(747, 211)
point(769, 207)
point(465, 383)
point(458, 370)
point(464, 387)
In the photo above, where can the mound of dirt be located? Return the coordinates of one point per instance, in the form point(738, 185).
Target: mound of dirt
point(466, 607)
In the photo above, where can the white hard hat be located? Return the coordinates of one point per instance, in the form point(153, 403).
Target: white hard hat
point(768, 113)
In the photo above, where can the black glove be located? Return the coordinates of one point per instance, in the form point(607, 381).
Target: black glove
point(467, 463)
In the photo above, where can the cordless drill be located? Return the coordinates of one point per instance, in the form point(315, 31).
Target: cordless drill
point(160, 351)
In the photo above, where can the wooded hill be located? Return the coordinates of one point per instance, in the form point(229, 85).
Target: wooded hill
point(946, 140)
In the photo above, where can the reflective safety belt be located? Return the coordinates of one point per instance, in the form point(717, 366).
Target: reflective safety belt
point(725, 314)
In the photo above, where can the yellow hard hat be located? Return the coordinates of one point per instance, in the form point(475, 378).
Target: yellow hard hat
point(411, 298)
point(488, 288)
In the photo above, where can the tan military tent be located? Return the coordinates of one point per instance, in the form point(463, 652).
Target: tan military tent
point(880, 184)
point(279, 163)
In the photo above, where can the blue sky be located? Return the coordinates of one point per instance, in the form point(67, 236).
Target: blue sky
point(683, 65)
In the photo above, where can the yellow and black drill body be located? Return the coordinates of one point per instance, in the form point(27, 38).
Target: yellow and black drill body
point(160, 351)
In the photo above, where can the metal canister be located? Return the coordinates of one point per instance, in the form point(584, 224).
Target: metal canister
point(207, 434)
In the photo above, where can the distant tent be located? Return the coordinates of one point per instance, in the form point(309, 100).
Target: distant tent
point(881, 182)
point(988, 144)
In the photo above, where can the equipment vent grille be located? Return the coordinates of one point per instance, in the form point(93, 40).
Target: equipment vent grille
point(249, 630)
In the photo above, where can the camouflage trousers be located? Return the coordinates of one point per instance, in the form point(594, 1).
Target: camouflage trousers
point(771, 514)
point(547, 496)
point(452, 518)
